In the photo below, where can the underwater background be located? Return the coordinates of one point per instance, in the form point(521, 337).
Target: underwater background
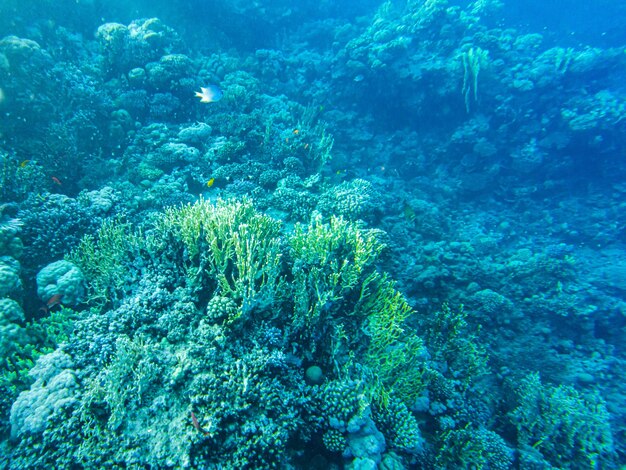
point(316, 234)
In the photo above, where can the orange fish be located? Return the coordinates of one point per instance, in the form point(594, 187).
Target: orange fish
point(54, 300)
point(56, 180)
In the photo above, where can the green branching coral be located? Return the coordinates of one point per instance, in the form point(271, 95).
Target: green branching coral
point(334, 278)
point(231, 243)
point(451, 342)
point(568, 429)
point(104, 259)
point(330, 260)
point(202, 360)
point(395, 353)
point(473, 448)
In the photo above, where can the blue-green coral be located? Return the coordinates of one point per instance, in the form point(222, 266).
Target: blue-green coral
point(204, 347)
point(560, 427)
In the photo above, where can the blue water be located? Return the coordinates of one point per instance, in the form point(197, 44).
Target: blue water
point(312, 235)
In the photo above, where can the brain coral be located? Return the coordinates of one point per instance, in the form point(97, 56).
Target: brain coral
point(9, 275)
point(61, 278)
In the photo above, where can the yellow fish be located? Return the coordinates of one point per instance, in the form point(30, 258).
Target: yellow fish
point(24, 163)
point(210, 182)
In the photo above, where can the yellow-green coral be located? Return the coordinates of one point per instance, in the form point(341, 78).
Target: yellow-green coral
point(473, 60)
point(395, 353)
point(330, 259)
point(333, 276)
point(569, 429)
point(231, 242)
point(452, 342)
point(102, 259)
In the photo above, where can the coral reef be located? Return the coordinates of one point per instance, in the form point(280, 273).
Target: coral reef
point(397, 241)
point(156, 359)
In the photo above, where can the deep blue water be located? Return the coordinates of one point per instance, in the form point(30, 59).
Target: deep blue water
point(312, 235)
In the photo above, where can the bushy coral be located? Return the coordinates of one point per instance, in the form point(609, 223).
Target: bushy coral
point(296, 203)
point(220, 309)
point(54, 225)
point(160, 354)
point(334, 440)
point(352, 200)
point(341, 401)
point(172, 73)
point(126, 47)
point(568, 429)
point(399, 426)
point(476, 448)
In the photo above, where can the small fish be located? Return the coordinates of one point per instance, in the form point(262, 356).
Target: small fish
point(209, 94)
point(24, 163)
point(57, 181)
point(296, 131)
point(196, 424)
point(54, 300)
point(359, 78)
point(409, 212)
point(210, 182)
point(306, 146)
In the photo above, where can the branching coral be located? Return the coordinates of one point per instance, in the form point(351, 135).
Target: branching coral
point(104, 259)
point(230, 243)
point(395, 353)
point(330, 260)
point(230, 395)
point(568, 429)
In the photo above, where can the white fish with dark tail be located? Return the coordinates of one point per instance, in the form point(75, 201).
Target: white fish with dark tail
point(209, 94)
